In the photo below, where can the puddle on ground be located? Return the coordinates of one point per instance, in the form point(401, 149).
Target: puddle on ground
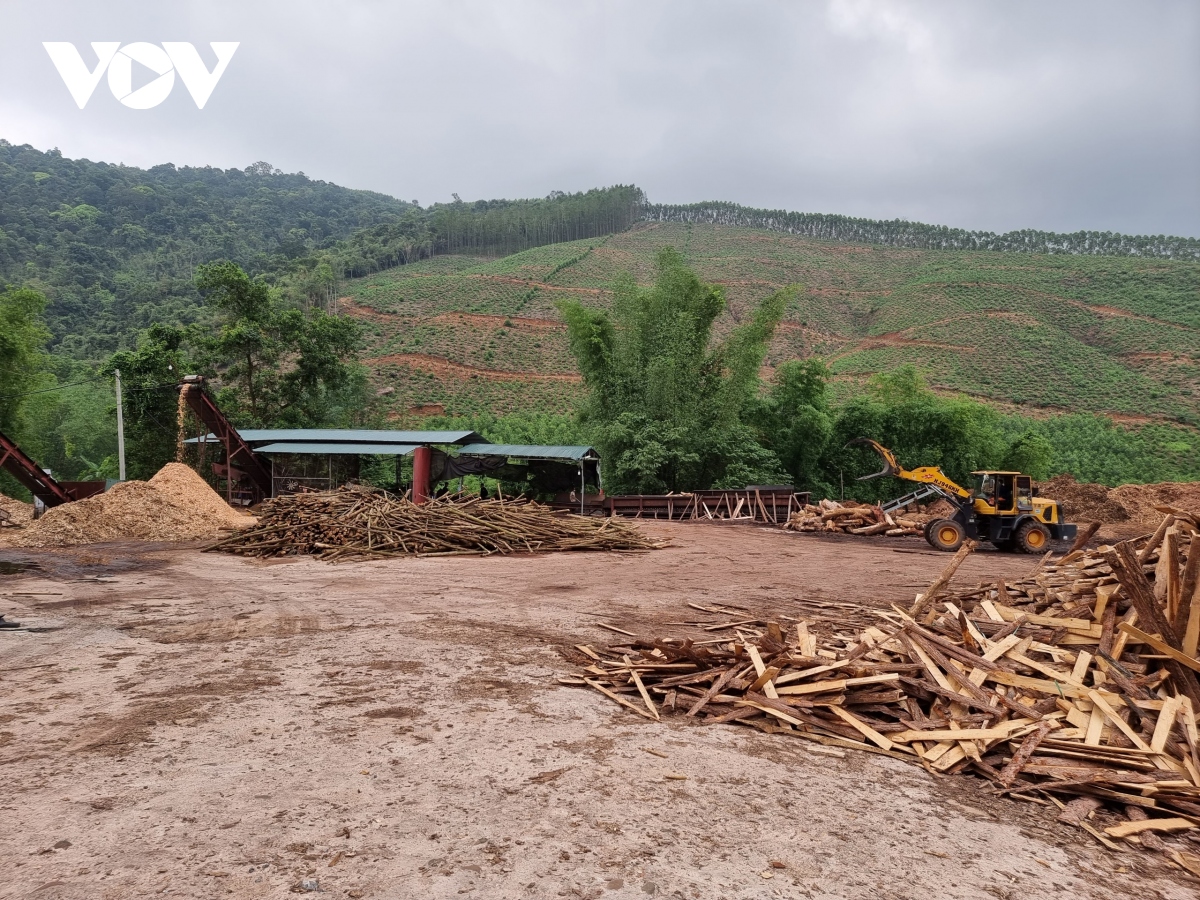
point(15, 568)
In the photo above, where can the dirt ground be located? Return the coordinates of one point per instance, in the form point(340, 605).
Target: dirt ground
point(202, 725)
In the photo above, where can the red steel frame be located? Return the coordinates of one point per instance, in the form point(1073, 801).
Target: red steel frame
point(238, 455)
point(17, 463)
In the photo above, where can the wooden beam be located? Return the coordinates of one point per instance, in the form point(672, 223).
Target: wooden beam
point(939, 584)
point(1128, 569)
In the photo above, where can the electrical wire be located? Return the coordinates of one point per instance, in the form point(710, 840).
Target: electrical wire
point(49, 390)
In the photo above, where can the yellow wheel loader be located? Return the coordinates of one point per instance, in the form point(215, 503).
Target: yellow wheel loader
point(1001, 507)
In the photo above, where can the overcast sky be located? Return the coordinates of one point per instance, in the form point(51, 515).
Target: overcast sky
point(989, 115)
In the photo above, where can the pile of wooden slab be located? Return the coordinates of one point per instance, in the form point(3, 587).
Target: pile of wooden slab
point(849, 517)
point(1076, 686)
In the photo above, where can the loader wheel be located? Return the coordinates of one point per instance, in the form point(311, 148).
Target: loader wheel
point(1032, 537)
point(945, 534)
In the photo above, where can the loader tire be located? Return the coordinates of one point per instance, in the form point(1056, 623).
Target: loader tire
point(1032, 537)
point(945, 534)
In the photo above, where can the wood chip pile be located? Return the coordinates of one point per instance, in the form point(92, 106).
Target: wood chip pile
point(356, 522)
point(14, 513)
point(1076, 686)
point(175, 505)
point(849, 517)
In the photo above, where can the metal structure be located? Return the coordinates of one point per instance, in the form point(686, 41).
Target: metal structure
point(21, 466)
point(241, 463)
point(584, 458)
point(266, 445)
point(769, 504)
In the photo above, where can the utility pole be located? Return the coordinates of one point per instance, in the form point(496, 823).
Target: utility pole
point(120, 428)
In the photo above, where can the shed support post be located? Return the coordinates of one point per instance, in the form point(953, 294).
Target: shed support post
point(421, 459)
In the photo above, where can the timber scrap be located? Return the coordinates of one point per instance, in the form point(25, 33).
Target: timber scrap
point(1075, 686)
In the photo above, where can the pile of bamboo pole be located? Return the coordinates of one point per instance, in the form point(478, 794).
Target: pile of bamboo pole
point(1076, 686)
point(354, 522)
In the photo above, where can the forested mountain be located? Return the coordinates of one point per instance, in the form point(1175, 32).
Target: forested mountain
point(115, 248)
point(458, 305)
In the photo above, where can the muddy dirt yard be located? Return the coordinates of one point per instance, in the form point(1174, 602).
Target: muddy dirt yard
point(199, 725)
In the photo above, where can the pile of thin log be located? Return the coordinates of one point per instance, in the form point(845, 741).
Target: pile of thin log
point(1076, 686)
point(848, 517)
point(357, 522)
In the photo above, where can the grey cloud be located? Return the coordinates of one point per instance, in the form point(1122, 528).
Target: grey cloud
point(1005, 115)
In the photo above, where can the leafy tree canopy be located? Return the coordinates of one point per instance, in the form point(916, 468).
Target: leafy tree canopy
point(23, 336)
point(666, 402)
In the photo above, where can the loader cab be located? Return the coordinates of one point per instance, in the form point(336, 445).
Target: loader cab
point(1002, 493)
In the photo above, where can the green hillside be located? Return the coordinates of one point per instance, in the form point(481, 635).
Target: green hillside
point(459, 302)
point(114, 248)
point(1117, 335)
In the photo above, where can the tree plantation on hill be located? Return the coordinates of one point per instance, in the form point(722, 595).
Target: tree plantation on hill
point(311, 305)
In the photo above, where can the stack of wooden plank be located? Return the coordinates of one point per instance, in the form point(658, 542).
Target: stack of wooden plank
point(848, 517)
point(357, 522)
point(1076, 686)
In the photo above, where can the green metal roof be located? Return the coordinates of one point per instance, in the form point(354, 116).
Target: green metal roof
point(332, 447)
point(529, 451)
point(254, 436)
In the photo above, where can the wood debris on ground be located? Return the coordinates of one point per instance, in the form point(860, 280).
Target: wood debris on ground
point(1075, 686)
point(849, 517)
point(358, 522)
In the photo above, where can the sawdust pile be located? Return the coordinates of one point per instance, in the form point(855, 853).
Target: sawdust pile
point(1126, 510)
point(175, 505)
point(187, 489)
point(17, 513)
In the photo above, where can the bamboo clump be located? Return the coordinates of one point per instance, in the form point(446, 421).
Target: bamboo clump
point(358, 522)
point(1074, 687)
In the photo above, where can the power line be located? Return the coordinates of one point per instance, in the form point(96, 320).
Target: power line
point(128, 388)
point(49, 390)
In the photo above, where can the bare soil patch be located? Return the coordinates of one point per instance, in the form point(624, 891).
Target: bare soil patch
point(410, 739)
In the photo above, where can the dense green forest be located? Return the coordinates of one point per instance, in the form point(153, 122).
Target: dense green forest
point(504, 227)
point(114, 248)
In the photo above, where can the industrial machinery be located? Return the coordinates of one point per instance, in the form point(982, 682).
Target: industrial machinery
point(242, 468)
point(1001, 507)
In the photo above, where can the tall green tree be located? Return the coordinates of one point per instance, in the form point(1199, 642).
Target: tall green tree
point(898, 410)
point(797, 421)
point(279, 365)
point(252, 334)
point(23, 337)
point(150, 375)
point(666, 402)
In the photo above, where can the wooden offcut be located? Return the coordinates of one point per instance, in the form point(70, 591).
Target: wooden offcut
point(1067, 687)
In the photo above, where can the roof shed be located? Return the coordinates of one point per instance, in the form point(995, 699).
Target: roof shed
point(530, 451)
point(254, 436)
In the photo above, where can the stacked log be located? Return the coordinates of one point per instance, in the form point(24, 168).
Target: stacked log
point(848, 517)
point(358, 522)
point(1074, 687)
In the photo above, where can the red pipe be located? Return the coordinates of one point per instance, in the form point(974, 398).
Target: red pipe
point(420, 491)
